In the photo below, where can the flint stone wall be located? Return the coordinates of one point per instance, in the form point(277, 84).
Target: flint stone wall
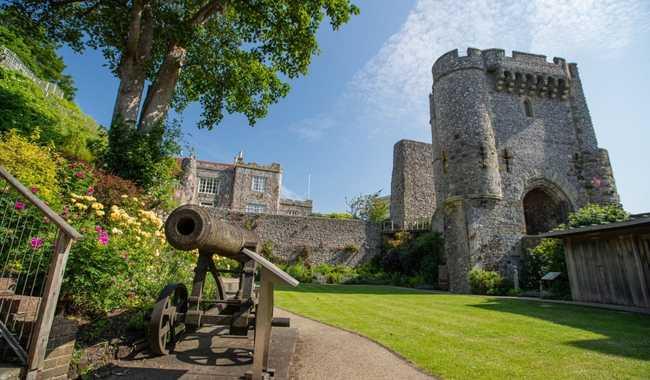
point(412, 196)
point(323, 239)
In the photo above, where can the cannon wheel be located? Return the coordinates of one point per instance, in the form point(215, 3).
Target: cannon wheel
point(163, 323)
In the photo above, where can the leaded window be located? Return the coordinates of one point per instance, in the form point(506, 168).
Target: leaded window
point(259, 184)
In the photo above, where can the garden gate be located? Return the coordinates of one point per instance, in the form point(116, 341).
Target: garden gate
point(34, 246)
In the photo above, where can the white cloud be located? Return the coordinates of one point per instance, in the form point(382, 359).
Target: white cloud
point(393, 86)
point(289, 194)
point(314, 128)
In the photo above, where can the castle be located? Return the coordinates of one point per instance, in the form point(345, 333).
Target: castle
point(241, 187)
point(513, 152)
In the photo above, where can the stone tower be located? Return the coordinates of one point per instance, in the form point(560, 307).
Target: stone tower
point(412, 199)
point(514, 151)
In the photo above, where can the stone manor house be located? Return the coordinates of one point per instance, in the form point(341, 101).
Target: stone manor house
point(513, 152)
point(241, 187)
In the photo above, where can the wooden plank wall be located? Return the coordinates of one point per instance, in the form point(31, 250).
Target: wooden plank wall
point(612, 269)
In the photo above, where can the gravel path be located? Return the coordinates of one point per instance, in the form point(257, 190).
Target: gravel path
point(325, 352)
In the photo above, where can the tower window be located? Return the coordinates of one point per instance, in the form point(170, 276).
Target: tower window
point(528, 108)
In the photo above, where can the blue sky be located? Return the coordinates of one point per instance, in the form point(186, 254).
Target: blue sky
point(368, 89)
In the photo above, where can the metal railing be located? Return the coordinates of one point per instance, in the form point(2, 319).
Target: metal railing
point(423, 224)
point(11, 61)
point(34, 246)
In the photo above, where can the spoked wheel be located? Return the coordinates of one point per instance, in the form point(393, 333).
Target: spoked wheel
point(164, 322)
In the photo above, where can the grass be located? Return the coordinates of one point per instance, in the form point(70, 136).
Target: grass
point(477, 337)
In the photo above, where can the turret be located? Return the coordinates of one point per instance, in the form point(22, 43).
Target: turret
point(467, 156)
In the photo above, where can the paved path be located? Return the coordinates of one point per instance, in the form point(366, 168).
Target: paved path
point(325, 352)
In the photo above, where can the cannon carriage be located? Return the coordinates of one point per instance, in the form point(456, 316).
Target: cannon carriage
point(192, 227)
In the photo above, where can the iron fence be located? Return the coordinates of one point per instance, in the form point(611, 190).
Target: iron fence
point(34, 246)
point(11, 61)
point(390, 226)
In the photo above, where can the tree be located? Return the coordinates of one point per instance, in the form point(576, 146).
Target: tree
point(369, 207)
point(231, 56)
point(34, 48)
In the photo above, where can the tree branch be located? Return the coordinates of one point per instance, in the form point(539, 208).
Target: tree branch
point(206, 12)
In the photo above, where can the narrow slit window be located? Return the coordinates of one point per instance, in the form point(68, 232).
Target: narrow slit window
point(528, 108)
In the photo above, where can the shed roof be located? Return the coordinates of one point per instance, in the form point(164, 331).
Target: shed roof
point(634, 221)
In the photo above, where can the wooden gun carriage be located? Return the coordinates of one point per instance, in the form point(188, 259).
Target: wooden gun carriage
point(192, 227)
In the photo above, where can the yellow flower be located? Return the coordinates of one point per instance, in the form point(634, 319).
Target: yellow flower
point(89, 198)
point(124, 196)
point(99, 212)
point(97, 206)
point(80, 206)
point(116, 231)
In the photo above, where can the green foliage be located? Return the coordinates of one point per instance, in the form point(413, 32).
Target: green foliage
point(32, 165)
point(333, 215)
point(487, 282)
point(596, 214)
point(369, 207)
point(334, 274)
point(267, 251)
point(25, 108)
point(145, 158)
point(300, 271)
point(30, 43)
point(237, 60)
point(417, 256)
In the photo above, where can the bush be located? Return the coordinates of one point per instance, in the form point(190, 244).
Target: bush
point(596, 214)
point(109, 188)
point(33, 165)
point(414, 257)
point(300, 272)
point(144, 158)
point(25, 108)
point(487, 282)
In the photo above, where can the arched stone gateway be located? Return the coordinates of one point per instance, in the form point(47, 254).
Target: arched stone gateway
point(544, 209)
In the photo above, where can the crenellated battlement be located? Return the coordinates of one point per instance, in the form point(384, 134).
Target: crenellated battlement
point(522, 73)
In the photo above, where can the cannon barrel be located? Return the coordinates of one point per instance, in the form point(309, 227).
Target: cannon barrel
point(193, 227)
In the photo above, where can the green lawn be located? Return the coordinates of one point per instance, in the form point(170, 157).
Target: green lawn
point(472, 337)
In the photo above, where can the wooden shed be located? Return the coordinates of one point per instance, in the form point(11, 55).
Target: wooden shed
point(609, 263)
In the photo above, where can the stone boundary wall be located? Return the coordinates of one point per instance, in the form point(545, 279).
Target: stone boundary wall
point(321, 240)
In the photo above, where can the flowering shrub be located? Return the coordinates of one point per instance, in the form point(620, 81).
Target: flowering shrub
point(123, 261)
point(33, 165)
point(110, 188)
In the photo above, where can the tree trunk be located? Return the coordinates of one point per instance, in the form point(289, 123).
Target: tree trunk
point(159, 95)
point(132, 68)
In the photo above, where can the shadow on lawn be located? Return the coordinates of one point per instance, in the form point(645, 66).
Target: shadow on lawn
point(626, 334)
point(358, 289)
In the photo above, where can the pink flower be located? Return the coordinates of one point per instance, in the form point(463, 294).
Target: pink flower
point(34, 189)
point(19, 205)
point(79, 174)
point(103, 238)
point(36, 242)
point(90, 191)
point(98, 229)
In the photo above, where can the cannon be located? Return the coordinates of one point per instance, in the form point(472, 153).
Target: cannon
point(192, 227)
